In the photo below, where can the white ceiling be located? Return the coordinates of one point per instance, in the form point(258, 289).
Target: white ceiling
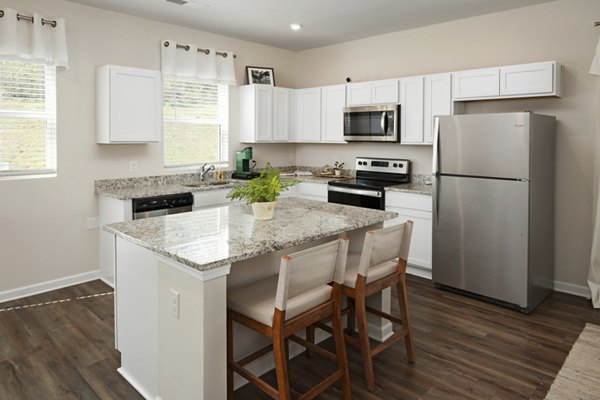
point(324, 21)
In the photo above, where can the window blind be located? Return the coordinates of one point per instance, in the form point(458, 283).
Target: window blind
point(195, 118)
point(27, 118)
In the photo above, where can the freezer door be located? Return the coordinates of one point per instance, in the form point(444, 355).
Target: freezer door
point(480, 237)
point(485, 145)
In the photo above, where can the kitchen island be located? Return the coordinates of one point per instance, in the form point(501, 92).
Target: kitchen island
point(172, 275)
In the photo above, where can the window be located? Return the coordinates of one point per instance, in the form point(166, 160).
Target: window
point(195, 118)
point(27, 119)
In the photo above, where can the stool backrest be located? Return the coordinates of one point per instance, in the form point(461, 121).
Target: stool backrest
point(385, 244)
point(311, 268)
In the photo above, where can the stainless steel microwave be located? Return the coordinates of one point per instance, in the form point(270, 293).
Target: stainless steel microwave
point(372, 123)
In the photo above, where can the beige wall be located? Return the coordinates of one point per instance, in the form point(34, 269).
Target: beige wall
point(562, 30)
point(43, 233)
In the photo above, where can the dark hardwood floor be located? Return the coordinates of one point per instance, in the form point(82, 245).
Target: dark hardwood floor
point(465, 349)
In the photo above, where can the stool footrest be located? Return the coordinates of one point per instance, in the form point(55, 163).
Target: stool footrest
point(257, 354)
point(264, 386)
point(381, 314)
point(317, 390)
point(314, 347)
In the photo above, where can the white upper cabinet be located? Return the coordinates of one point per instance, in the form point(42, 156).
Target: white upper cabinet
point(333, 101)
point(476, 83)
point(531, 79)
point(256, 113)
point(308, 115)
point(358, 94)
point(281, 114)
point(438, 101)
point(373, 92)
point(128, 105)
point(513, 81)
point(411, 110)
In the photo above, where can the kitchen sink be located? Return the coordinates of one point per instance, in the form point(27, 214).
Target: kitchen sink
point(203, 184)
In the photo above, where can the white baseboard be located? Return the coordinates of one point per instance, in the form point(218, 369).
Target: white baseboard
point(108, 282)
point(418, 271)
point(140, 389)
point(42, 287)
point(570, 288)
point(563, 287)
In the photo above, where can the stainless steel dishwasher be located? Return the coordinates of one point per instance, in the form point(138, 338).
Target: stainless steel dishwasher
point(147, 207)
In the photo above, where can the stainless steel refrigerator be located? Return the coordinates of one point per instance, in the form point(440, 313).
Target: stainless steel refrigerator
point(493, 207)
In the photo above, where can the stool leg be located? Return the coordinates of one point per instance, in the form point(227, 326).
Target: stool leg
point(279, 355)
point(403, 300)
point(365, 346)
point(310, 337)
point(229, 358)
point(340, 349)
point(351, 317)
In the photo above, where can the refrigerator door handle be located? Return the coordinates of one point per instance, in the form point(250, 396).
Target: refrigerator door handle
point(436, 138)
point(436, 200)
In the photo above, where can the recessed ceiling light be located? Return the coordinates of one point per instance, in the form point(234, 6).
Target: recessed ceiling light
point(295, 27)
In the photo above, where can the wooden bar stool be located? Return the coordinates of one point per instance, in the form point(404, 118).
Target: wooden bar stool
point(307, 290)
point(370, 272)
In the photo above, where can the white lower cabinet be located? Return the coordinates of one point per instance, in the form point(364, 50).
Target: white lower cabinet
point(417, 208)
point(311, 191)
point(212, 198)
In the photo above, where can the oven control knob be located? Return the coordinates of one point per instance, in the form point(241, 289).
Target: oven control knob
point(395, 165)
point(401, 165)
point(360, 163)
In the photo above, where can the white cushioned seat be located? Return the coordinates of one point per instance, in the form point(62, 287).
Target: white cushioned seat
point(257, 300)
point(375, 272)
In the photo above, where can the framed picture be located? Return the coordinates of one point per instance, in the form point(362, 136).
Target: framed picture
point(261, 75)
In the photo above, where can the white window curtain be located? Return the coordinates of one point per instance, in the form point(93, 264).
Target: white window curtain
point(181, 60)
point(594, 272)
point(41, 41)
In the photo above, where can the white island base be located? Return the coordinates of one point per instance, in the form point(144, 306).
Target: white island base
point(172, 275)
point(168, 356)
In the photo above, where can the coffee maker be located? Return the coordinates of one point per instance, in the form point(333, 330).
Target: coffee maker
point(244, 164)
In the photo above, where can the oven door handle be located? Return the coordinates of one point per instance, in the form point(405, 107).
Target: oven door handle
point(360, 192)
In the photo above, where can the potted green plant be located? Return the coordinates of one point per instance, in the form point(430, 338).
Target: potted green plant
point(262, 192)
point(337, 168)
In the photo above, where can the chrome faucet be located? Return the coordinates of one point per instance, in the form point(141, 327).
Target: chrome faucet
point(204, 170)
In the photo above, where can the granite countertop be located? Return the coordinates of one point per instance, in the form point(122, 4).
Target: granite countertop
point(414, 188)
point(137, 190)
point(214, 237)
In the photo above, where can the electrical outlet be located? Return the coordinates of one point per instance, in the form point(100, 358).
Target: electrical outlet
point(174, 303)
point(133, 166)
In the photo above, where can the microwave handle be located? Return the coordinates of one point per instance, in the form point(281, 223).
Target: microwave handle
point(384, 123)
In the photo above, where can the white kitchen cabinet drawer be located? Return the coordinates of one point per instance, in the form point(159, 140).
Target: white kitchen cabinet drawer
point(310, 190)
point(476, 83)
point(530, 79)
point(408, 200)
point(128, 105)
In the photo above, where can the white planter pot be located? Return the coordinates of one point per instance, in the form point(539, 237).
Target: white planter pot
point(338, 172)
point(263, 211)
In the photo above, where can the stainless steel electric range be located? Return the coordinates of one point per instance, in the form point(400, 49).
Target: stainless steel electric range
point(373, 175)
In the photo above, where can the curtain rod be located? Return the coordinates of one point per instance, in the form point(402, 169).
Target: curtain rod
point(205, 51)
point(30, 19)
